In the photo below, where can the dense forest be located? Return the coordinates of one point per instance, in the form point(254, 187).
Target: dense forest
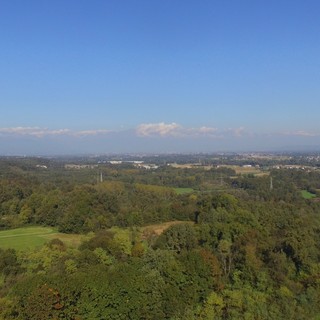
point(235, 246)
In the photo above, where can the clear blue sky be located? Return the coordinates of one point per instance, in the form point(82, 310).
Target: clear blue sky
point(81, 76)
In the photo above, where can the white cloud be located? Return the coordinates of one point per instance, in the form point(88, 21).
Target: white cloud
point(175, 130)
point(32, 131)
point(43, 132)
point(237, 132)
point(91, 132)
point(301, 133)
point(207, 130)
point(200, 132)
point(19, 130)
point(158, 129)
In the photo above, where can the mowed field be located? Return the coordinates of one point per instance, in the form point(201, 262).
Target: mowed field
point(32, 237)
point(308, 195)
point(183, 190)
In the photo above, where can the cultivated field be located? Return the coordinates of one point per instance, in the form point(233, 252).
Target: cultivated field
point(246, 170)
point(237, 168)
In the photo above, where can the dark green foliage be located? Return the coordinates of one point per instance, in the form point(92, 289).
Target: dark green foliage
point(9, 264)
point(178, 238)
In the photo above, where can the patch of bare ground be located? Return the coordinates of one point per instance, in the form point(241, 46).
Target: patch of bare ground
point(157, 229)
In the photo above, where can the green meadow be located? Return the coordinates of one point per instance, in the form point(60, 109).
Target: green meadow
point(32, 237)
point(183, 190)
point(307, 195)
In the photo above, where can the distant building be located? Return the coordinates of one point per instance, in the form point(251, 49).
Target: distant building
point(80, 166)
point(146, 166)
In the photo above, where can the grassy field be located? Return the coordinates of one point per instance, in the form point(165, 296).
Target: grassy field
point(32, 237)
point(307, 195)
point(183, 190)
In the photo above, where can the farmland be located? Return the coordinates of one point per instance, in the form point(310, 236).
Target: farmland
point(243, 170)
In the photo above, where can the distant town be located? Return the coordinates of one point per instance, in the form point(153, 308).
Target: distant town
point(240, 162)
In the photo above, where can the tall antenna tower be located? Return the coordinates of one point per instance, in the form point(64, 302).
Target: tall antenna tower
point(99, 177)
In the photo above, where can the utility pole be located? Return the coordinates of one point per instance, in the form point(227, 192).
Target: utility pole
point(271, 184)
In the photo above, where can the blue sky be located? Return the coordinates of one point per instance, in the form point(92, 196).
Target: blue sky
point(80, 76)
